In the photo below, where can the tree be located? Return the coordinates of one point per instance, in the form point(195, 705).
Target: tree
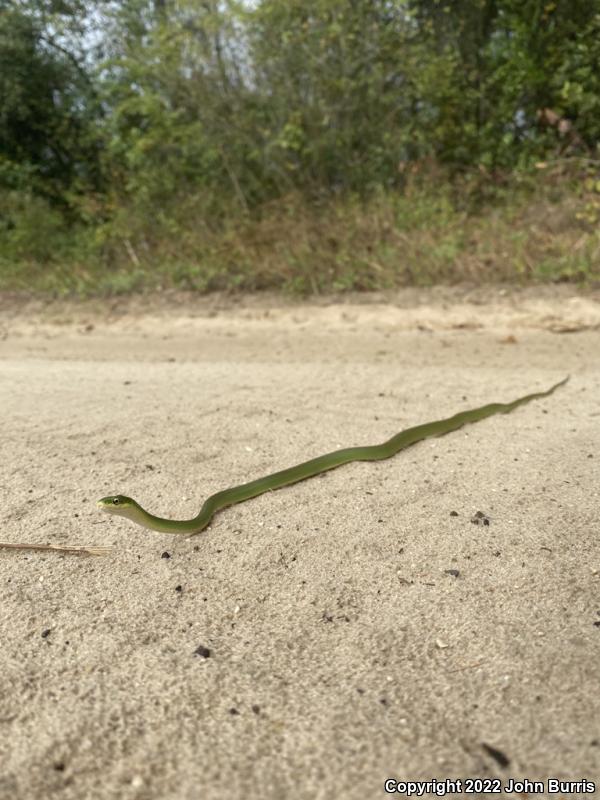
point(47, 107)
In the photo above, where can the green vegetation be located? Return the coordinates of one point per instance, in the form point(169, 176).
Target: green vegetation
point(309, 147)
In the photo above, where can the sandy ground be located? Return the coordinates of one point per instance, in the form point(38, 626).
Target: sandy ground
point(317, 640)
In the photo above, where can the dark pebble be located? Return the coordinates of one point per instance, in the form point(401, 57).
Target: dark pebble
point(498, 756)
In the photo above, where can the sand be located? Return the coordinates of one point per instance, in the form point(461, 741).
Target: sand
point(318, 640)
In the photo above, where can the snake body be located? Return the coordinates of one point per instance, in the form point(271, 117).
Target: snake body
point(126, 507)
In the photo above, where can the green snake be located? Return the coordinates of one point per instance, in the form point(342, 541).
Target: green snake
point(126, 507)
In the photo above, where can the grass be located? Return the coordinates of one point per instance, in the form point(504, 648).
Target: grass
point(540, 227)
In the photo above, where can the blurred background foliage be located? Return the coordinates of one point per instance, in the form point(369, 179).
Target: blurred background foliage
point(335, 144)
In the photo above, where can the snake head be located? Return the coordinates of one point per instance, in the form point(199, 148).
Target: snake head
point(118, 504)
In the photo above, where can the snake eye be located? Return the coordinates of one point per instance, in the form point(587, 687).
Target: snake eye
point(115, 501)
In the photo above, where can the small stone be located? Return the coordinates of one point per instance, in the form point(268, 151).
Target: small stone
point(479, 518)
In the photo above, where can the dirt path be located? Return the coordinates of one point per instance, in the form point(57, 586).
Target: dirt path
point(320, 639)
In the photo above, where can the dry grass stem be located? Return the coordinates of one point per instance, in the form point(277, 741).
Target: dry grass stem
point(83, 550)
